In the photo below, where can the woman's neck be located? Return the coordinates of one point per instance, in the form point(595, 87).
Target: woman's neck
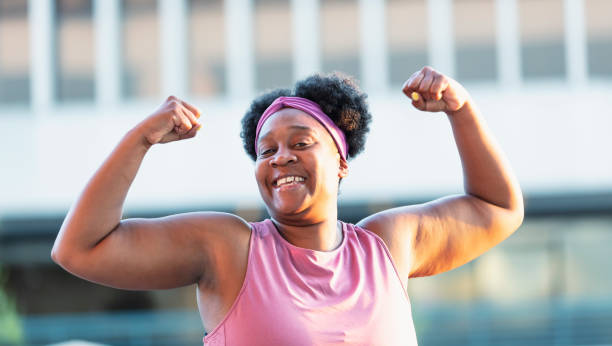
point(325, 235)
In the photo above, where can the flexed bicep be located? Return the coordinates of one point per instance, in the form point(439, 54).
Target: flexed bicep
point(454, 230)
point(161, 253)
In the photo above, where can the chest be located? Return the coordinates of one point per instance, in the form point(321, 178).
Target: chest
point(321, 300)
point(294, 297)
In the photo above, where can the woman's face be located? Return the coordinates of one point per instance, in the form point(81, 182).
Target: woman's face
point(298, 166)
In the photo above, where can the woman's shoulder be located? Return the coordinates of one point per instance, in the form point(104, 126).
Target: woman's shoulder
point(262, 227)
point(222, 230)
point(220, 222)
point(362, 233)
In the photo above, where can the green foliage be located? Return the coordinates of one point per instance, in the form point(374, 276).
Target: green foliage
point(10, 324)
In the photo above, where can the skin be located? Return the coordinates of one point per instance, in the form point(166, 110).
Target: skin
point(210, 249)
point(293, 143)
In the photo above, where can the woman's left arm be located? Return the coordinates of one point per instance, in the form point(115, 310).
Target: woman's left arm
point(446, 233)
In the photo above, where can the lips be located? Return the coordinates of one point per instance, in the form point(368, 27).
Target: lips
point(288, 180)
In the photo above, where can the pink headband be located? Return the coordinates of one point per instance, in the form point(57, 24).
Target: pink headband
point(312, 109)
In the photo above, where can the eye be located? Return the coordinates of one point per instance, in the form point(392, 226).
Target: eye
point(302, 143)
point(266, 152)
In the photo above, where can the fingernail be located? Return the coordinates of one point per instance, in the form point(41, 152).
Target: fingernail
point(199, 127)
point(414, 96)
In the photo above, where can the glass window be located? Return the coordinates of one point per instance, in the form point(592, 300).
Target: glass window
point(407, 47)
point(474, 27)
point(587, 273)
point(207, 48)
point(75, 51)
point(340, 36)
point(273, 50)
point(14, 52)
point(599, 33)
point(557, 256)
point(140, 53)
point(542, 38)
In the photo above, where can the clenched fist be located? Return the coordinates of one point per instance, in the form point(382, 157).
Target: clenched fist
point(174, 120)
point(435, 92)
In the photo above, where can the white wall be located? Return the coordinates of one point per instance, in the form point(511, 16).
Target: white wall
point(555, 133)
point(556, 138)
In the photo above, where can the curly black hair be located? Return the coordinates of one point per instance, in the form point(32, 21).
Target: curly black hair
point(338, 96)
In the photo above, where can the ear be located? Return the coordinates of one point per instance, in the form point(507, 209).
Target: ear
point(344, 168)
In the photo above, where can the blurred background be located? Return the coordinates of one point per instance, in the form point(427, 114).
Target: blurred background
point(75, 75)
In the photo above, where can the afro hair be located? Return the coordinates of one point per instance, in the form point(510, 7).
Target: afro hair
point(338, 96)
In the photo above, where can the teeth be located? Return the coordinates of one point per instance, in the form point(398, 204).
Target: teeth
point(288, 180)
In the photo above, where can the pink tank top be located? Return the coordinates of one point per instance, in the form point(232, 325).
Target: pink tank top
point(296, 296)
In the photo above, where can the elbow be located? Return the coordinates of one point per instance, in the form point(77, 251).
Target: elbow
point(519, 217)
point(515, 209)
point(66, 260)
point(516, 215)
point(64, 248)
point(69, 260)
point(510, 218)
point(60, 253)
point(55, 255)
point(520, 208)
point(58, 256)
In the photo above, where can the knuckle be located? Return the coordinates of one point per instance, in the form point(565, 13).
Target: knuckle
point(174, 105)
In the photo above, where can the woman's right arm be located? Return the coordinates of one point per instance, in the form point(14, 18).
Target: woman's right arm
point(95, 244)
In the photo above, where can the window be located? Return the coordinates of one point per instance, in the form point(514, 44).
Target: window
point(74, 51)
point(407, 42)
point(273, 50)
point(559, 256)
point(14, 53)
point(599, 36)
point(474, 27)
point(340, 36)
point(207, 48)
point(140, 53)
point(542, 39)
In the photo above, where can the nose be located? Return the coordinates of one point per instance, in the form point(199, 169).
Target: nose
point(283, 157)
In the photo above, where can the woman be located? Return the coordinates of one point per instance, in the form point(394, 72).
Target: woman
point(302, 277)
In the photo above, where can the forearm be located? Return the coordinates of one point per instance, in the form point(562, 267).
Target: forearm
point(98, 210)
point(487, 173)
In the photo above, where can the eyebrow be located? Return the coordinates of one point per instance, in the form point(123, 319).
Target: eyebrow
point(294, 127)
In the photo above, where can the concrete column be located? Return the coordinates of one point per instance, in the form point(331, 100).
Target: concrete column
point(306, 45)
point(108, 43)
point(374, 58)
point(441, 36)
point(508, 43)
point(575, 42)
point(173, 45)
point(42, 55)
point(239, 48)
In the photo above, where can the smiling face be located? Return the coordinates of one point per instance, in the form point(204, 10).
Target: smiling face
point(298, 167)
